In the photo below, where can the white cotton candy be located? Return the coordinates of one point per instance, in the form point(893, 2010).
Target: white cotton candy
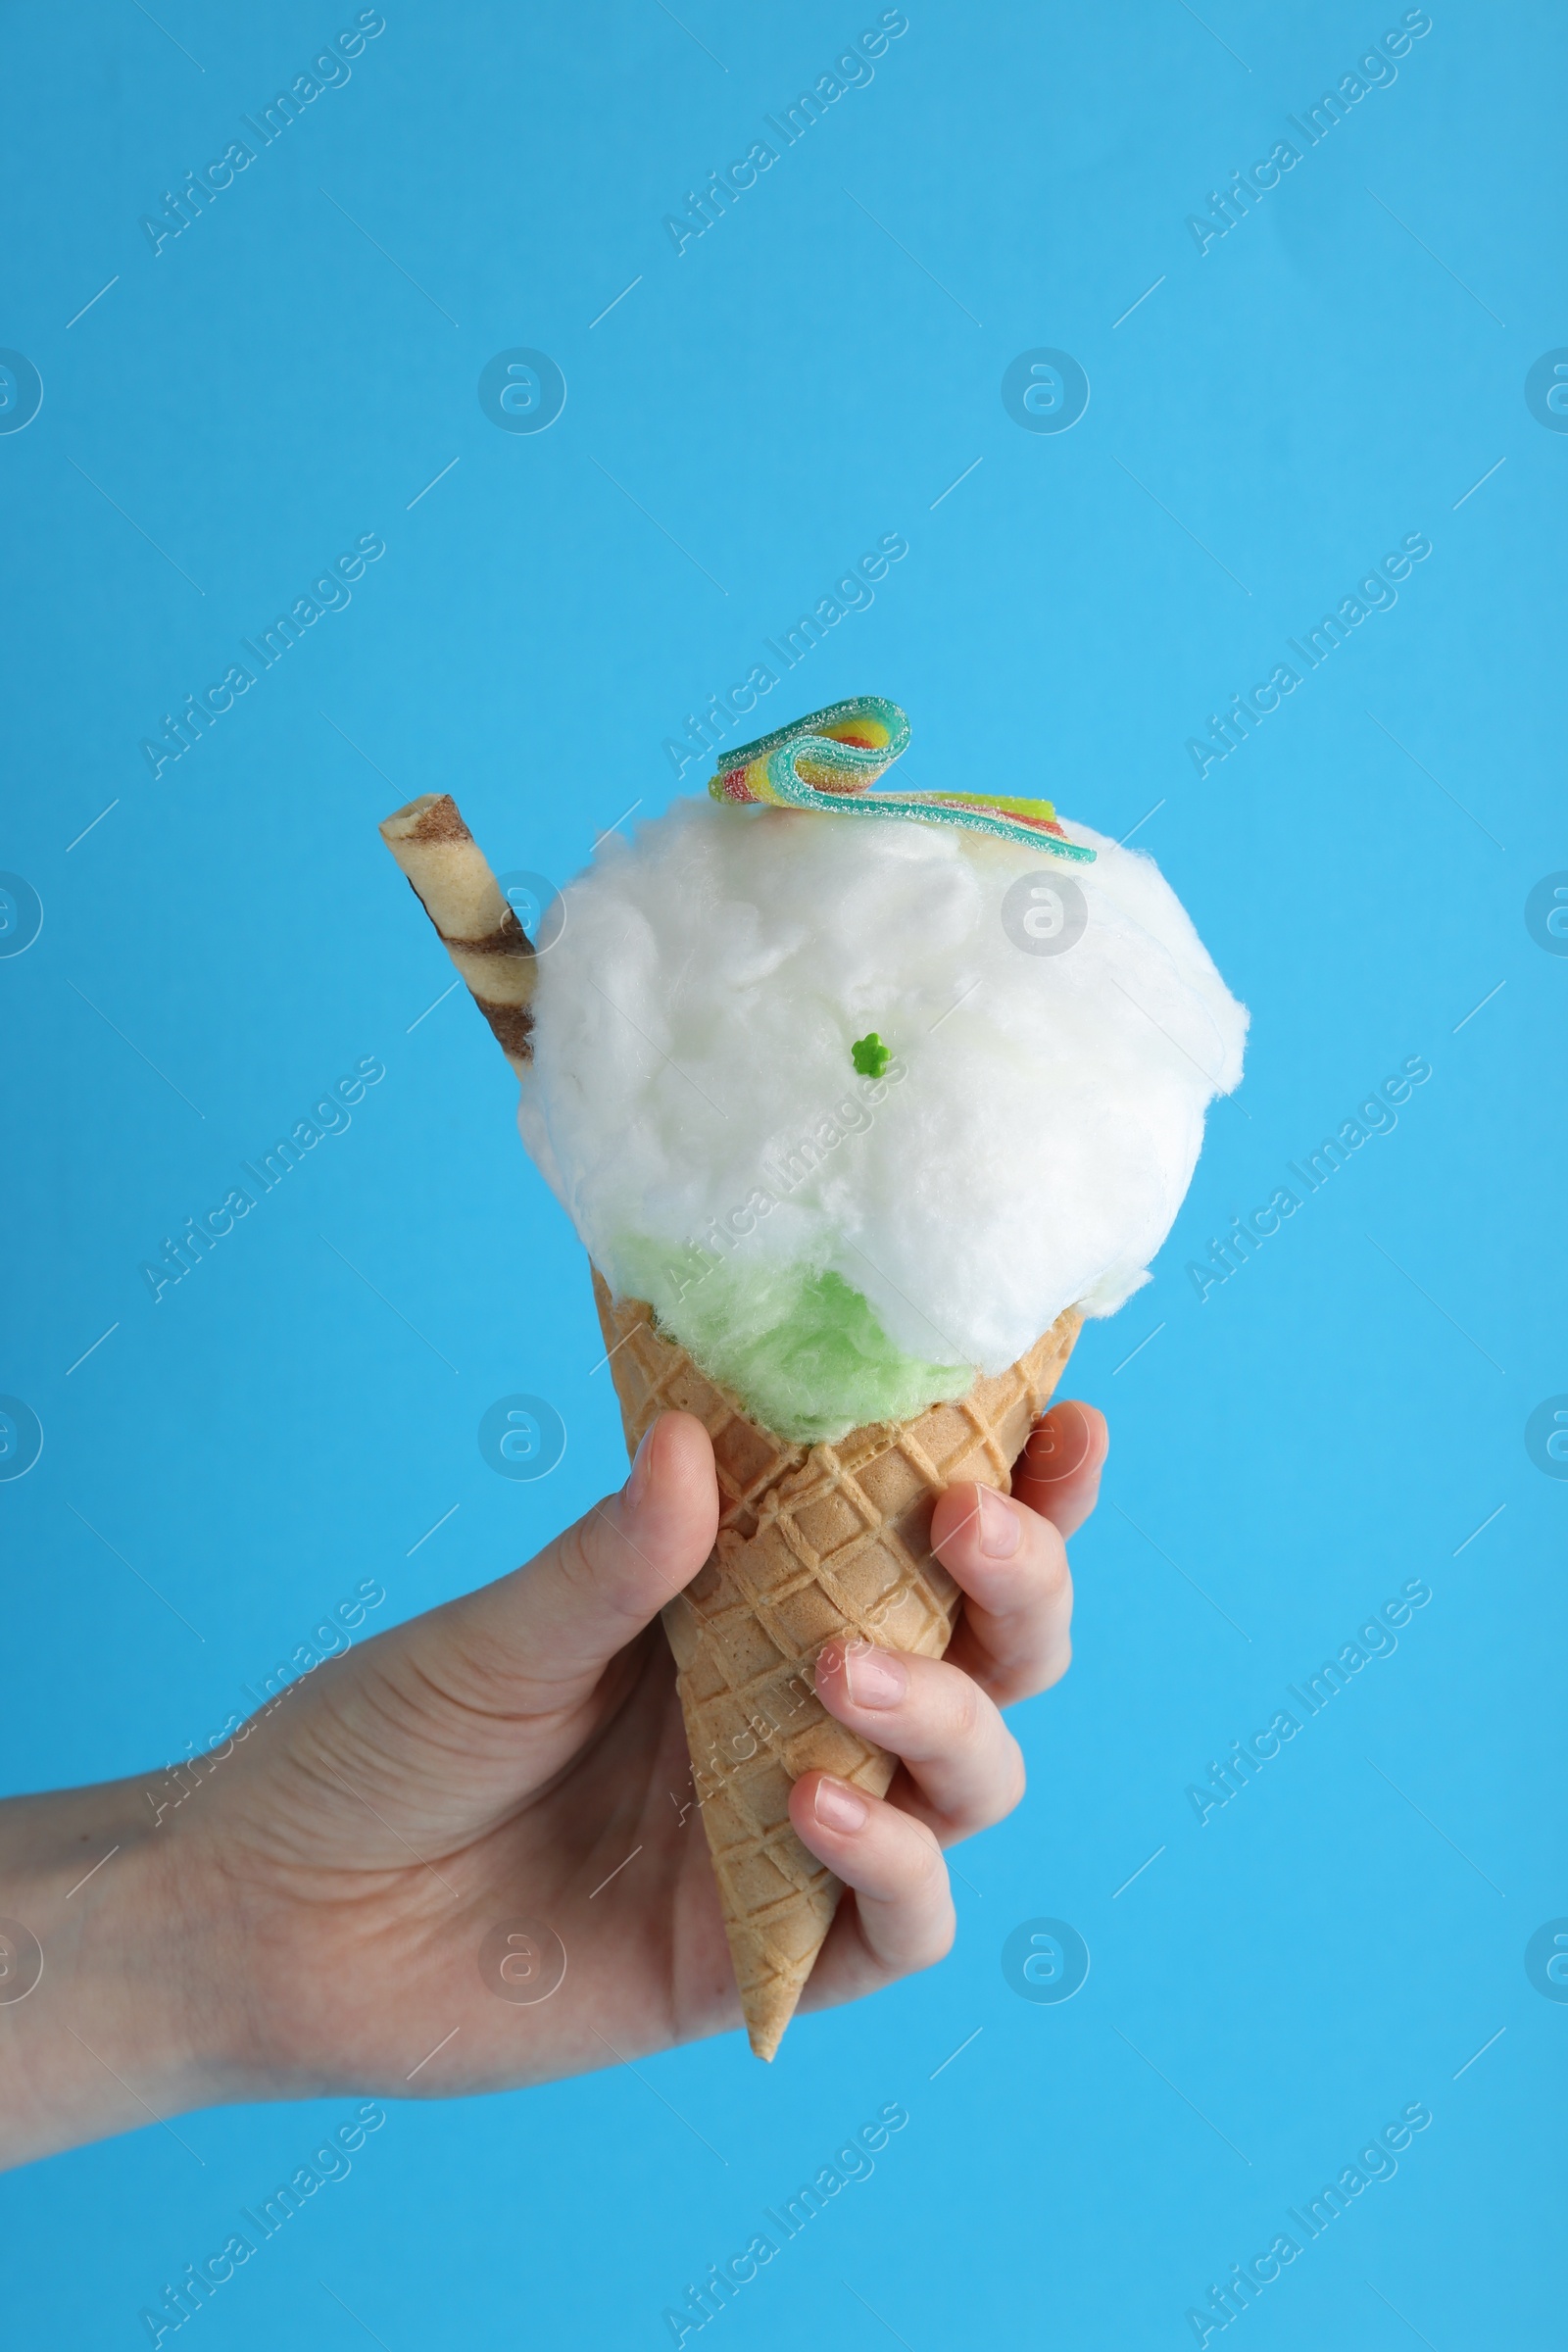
point(1026, 1151)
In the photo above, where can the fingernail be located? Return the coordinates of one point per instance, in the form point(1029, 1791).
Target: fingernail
point(837, 1806)
point(1059, 1445)
point(874, 1678)
point(641, 1467)
point(999, 1531)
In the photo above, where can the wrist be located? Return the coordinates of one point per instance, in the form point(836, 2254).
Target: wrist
point(111, 2015)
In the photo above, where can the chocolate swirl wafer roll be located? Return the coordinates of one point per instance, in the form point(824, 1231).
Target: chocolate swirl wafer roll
point(447, 872)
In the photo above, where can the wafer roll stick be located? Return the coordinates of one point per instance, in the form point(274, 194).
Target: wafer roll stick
point(447, 872)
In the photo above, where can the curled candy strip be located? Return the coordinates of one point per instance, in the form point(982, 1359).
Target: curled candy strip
point(829, 763)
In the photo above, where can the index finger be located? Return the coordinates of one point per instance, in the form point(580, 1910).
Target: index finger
point(1058, 1473)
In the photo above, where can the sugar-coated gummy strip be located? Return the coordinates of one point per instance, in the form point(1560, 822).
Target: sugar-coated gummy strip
point(828, 763)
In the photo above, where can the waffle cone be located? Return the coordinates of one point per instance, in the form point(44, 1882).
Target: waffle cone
point(813, 1542)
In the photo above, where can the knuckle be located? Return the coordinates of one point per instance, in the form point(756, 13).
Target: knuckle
point(928, 1868)
point(573, 1559)
point(967, 1710)
point(940, 1939)
point(1003, 1795)
point(600, 1568)
point(1055, 1579)
point(1040, 1671)
point(932, 1936)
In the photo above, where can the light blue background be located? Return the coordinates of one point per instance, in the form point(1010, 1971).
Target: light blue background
point(1274, 417)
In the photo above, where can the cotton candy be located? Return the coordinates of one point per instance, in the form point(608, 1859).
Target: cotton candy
point(837, 1248)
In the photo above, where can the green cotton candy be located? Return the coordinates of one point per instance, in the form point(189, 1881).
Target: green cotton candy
point(802, 1349)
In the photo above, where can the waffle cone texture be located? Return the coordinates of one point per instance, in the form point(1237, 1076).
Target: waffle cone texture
point(815, 1543)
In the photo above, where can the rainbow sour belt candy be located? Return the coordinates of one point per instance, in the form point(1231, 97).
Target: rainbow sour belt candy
point(830, 760)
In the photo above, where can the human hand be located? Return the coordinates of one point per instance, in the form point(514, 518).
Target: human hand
point(313, 1917)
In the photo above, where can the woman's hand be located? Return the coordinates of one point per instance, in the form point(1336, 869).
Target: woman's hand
point(379, 1886)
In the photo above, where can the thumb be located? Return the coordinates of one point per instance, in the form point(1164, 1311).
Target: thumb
point(550, 1628)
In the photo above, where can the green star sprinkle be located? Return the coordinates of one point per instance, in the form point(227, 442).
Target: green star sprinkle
point(870, 1055)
